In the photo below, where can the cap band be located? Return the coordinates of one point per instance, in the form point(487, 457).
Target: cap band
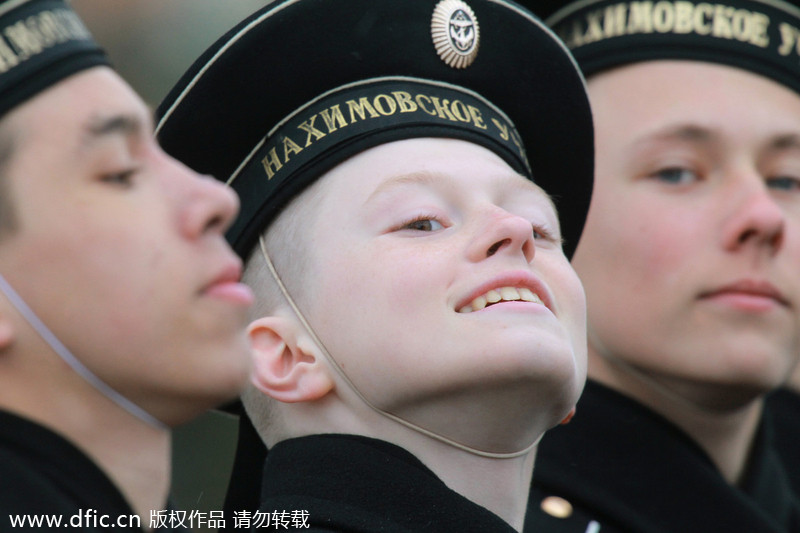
point(351, 119)
point(41, 42)
point(762, 36)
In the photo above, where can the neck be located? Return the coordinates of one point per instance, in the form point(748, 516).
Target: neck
point(134, 455)
point(725, 433)
point(499, 485)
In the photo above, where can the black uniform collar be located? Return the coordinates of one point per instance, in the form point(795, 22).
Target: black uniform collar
point(41, 472)
point(782, 407)
point(634, 470)
point(35, 459)
point(353, 483)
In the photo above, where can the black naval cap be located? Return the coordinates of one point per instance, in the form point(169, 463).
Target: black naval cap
point(301, 85)
point(41, 43)
point(761, 36)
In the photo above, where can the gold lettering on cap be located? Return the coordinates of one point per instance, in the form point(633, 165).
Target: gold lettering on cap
point(701, 15)
point(405, 102)
point(283, 148)
point(460, 111)
point(594, 30)
point(423, 100)
point(789, 39)
point(333, 118)
point(385, 104)
point(641, 18)
point(8, 59)
point(359, 107)
point(614, 21)
point(308, 127)
point(477, 118)
point(290, 147)
point(442, 108)
point(502, 128)
point(632, 18)
point(684, 20)
point(271, 163)
point(663, 17)
point(27, 38)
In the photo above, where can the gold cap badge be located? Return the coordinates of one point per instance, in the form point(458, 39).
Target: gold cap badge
point(455, 33)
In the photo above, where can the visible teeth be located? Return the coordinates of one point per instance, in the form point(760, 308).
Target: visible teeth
point(508, 294)
point(530, 296)
point(478, 304)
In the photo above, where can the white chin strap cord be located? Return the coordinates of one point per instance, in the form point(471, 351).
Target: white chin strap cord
point(358, 393)
point(67, 356)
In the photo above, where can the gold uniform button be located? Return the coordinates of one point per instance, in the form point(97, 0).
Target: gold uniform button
point(557, 507)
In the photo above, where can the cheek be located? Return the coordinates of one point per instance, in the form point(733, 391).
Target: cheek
point(401, 278)
point(792, 236)
point(637, 249)
point(638, 272)
point(569, 293)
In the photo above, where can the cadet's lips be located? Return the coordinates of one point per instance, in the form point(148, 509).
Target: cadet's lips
point(519, 286)
point(502, 294)
point(748, 294)
point(226, 285)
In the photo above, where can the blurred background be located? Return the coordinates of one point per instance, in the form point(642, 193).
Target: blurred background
point(151, 43)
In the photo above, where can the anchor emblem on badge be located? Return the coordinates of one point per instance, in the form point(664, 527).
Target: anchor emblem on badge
point(455, 33)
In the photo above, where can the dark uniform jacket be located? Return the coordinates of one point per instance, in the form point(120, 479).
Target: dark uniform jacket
point(44, 475)
point(783, 410)
point(623, 467)
point(357, 484)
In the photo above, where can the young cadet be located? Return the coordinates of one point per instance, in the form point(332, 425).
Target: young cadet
point(121, 313)
point(689, 259)
point(418, 324)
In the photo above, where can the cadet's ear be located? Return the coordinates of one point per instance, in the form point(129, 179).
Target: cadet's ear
point(283, 368)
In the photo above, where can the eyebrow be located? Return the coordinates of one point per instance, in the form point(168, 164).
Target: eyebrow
point(429, 178)
point(413, 178)
point(789, 141)
point(102, 127)
point(680, 132)
point(702, 135)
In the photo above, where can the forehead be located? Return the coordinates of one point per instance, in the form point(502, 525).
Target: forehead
point(668, 86)
point(427, 163)
point(654, 96)
point(68, 115)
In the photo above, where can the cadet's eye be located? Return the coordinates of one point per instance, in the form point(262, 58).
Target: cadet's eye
point(545, 233)
point(423, 224)
point(123, 178)
point(675, 175)
point(784, 183)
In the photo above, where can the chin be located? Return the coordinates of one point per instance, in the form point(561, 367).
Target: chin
point(756, 365)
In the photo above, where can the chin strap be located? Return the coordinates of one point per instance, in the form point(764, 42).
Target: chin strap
point(358, 393)
point(67, 356)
